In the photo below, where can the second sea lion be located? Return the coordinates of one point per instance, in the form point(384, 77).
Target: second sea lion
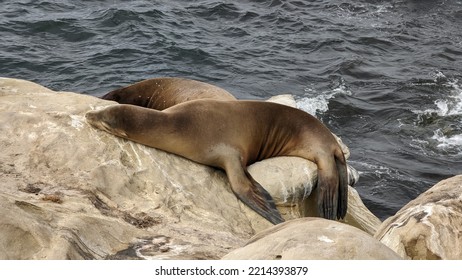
point(162, 93)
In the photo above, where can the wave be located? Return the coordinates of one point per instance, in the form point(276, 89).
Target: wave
point(448, 142)
point(444, 118)
point(453, 104)
point(441, 143)
point(450, 105)
point(319, 103)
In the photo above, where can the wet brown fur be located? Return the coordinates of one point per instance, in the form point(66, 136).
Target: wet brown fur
point(234, 134)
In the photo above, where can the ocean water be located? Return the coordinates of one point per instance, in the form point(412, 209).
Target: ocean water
point(386, 76)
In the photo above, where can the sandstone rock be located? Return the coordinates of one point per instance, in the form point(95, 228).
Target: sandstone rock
point(284, 99)
point(430, 226)
point(66, 183)
point(312, 238)
point(69, 191)
point(288, 180)
point(358, 215)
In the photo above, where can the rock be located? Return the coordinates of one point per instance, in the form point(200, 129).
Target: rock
point(69, 191)
point(289, 180)
point(358, 215)
point(286, 179)
point(312, 239)
point(284, 99)
point(430, 226)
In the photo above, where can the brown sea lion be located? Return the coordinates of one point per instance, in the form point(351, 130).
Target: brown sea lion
point(162, 93)
point(233, 134)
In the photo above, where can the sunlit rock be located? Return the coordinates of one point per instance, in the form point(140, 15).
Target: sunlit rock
point(312, 239)
point(69, 191)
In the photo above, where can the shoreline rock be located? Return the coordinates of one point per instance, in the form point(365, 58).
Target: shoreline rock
point(68, 191)
point(430, 226)
point(312, 239)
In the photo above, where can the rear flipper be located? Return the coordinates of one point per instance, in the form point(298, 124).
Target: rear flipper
point(333, 188)
point(253, 194)
point(343, 180)
point(327, 195)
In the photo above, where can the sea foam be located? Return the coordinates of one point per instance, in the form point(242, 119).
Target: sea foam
point(453, 142)
point(318, 103)
point(448, 108)
point(450, 105)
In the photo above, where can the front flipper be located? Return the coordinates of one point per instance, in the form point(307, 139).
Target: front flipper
point(252, 193)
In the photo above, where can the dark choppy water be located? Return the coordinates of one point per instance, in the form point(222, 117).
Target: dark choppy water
point(386, 76)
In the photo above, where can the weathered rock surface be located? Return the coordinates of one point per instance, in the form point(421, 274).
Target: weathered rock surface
point(314, 239)
point(69, 191)
point(430, 226)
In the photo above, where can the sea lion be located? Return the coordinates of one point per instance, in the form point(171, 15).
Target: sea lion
point(162, 93)
point(233, 134)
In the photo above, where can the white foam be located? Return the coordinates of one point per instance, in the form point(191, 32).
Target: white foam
point(315, 104)
point(456, 109)
point(319, 103)
point(448, 142)
point(447, 107)
point(450, 105)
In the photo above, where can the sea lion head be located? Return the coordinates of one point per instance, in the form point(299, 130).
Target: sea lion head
point(118, 120)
